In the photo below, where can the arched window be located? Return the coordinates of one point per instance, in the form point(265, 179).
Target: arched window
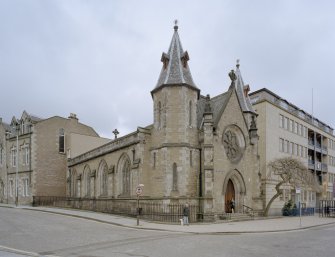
point(191, 158)
point(190, 113)
point(174, 177)
point(74, 184)
point(159, 115)
point(103, 176)
point(87, 181)
point(126, 177)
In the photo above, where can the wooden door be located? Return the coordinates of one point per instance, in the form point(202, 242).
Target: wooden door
point(230, 194)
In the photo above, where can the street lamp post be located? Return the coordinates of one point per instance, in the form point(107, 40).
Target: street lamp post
point(17, 170)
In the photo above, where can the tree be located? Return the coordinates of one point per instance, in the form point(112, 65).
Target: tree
point(290, 171)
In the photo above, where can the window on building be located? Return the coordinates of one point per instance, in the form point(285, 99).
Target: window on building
point(281, 145)
point(159, 118)
point(291, 126)
point(154, 161)
point(291, 148)
point(295, 149)
point(13, 157)
point(25, 191)
point(295, 127)
point(61, 141)
point(191, 158)
point(11, 188)
point(287, 146)
point(286, 123)
point(174, 177)
point(1, 155)
point(298, 150)
point(281, 121)
point(88, 183)
point(190, 114)
point(26, 154)
point(126, 177)
point(105, 181)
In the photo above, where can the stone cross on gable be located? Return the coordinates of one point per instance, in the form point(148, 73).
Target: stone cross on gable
point(116, 132)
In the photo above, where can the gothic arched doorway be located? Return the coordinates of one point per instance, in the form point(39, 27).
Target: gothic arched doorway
point(229, 195)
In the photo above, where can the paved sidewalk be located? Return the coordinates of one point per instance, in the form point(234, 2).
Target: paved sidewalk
point(253, 226)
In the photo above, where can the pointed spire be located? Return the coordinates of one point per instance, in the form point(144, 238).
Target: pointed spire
point(242, 90)
point(175, 70)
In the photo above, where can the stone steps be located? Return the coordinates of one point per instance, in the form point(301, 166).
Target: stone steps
point(236, 217)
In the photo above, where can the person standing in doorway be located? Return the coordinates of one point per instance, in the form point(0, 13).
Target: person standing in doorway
point(232, 206)
point(186, 213)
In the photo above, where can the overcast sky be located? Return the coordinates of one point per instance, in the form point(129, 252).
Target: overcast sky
point(101, 59)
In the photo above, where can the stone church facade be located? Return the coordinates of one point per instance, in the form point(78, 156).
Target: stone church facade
point(199, 149)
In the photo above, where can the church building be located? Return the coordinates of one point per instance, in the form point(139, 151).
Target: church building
point(199, 150)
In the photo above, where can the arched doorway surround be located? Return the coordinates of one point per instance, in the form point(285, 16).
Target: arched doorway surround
point(234, 188)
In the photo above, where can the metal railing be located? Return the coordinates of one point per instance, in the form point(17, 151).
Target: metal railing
point(327, 208)
point(248, 210)
point(149, 209)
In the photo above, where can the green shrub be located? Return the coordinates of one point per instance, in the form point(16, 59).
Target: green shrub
point(290, 209)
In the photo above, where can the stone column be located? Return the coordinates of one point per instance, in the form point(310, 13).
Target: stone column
point(208, 156)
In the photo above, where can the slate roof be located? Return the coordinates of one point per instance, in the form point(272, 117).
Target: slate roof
point(175, 70)
point(6, 126)
point(239, 84)
point(218, 104)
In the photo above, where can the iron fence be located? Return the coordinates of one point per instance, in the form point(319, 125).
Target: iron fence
point(149, 209)
point(327, 208)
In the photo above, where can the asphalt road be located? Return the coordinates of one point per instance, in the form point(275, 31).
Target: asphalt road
point(57, 235)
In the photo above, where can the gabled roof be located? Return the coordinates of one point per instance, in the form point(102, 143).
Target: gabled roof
point(217, 103)
point(175, 70)
point(30, 117)
point(14, 121)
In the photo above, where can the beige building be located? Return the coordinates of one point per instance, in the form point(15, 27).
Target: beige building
point(36, 149)
point(286, 130)
point(198, 149)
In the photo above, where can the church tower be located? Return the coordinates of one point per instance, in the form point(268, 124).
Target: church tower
point(175, 152)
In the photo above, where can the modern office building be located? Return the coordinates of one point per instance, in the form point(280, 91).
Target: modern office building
point(286, 130)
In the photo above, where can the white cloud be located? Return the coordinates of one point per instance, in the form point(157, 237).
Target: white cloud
point(101, 59)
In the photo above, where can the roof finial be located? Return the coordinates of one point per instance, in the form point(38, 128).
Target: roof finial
point(175, 25)
point(238, 63)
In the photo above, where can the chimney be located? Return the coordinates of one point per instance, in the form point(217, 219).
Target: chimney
point(73, 116)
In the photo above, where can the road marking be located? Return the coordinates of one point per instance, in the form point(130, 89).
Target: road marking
point(17, 251)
